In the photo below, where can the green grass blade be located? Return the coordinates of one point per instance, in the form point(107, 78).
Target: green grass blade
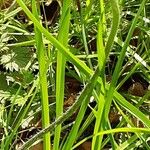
point(42, 80)
point(61, 63)
point(115, 25)
point(12, 106)
point(96, 141)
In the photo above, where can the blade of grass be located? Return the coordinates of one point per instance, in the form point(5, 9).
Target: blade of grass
point(84, 33)
point(96, 141)
point(12, 106)
point(61, 62)
point(42, 79)
point(115, 25)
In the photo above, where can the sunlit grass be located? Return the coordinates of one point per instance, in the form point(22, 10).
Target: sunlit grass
point(43, 78)
point(104, 22)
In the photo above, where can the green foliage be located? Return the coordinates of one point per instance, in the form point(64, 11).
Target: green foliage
point(37, 59)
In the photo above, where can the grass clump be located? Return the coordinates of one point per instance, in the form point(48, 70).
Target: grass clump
point(74, 71)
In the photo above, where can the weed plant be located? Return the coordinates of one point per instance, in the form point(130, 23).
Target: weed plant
point(103, 45)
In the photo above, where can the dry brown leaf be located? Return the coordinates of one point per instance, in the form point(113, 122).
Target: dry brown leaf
point(136, 89)
point(85, 146)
